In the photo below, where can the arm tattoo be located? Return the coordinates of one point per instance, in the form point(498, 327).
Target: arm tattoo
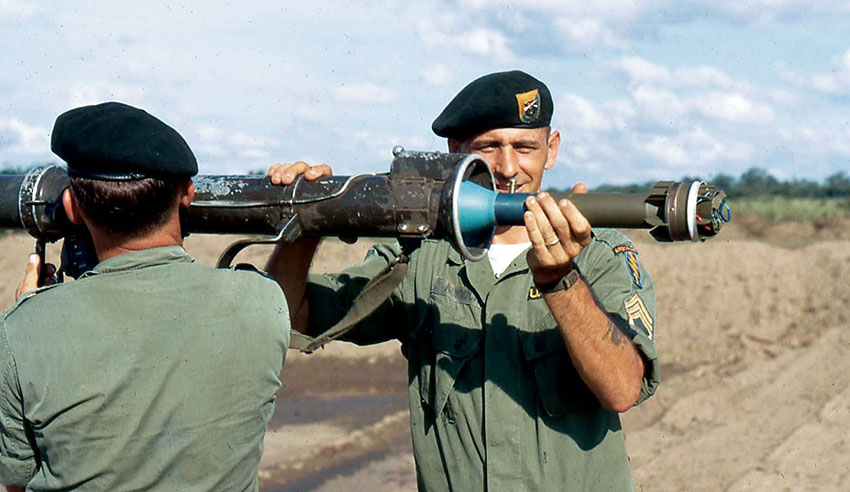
point(614, 334)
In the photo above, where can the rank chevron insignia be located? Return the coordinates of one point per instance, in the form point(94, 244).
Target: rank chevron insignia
point(639, 315)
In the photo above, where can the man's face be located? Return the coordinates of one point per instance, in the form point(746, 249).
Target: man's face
point(521, 153)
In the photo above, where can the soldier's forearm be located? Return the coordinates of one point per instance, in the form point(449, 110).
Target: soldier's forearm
point(604, 357)
point(289, 265)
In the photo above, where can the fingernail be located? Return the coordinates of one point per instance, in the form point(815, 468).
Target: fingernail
point(33, 259)
point(541, 195)
point(531, 200)
point(287, 176)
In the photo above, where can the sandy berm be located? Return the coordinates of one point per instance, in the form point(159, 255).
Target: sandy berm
point(754, 335)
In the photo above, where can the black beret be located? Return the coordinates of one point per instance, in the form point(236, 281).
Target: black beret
point(499, 100)
point(116, 142)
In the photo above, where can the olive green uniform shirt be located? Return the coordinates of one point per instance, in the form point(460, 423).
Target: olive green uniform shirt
point(149, 373)
point(495, 401)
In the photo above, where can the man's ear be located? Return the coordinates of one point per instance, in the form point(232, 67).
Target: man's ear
point(187, 193)
point(454, 146)
point(72, 208)
point(554, 145)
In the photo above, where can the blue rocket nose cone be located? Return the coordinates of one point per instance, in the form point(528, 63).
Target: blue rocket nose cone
point(476, 206)
point(481, 209)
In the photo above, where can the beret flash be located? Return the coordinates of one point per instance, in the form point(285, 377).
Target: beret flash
point(498, 100)
point(116, 142)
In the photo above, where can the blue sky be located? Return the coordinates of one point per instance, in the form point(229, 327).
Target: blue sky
point(643, 90)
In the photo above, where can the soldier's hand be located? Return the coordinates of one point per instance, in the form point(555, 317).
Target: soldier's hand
point(558, 233)
point(286, 174)
point(31, 280)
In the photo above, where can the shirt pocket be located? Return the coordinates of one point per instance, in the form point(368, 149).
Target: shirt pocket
point(450, 337)
point(560, 389)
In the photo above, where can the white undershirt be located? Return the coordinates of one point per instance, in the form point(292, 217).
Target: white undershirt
point(502, 255)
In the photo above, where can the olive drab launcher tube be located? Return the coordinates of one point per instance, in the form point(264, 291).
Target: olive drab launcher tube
point(425, 195)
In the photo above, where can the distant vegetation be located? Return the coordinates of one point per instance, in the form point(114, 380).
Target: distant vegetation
point(21, 169)
point(756, 192)
point(757, 182)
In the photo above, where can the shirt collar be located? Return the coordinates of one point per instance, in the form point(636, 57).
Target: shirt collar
point(142, 259)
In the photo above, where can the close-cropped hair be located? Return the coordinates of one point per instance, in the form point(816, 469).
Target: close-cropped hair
point(126, 208)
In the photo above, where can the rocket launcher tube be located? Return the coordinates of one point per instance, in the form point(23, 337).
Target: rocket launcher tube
point(425, 195)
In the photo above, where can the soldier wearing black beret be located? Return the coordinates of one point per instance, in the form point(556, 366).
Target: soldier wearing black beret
point(116, 142)
point(499, 100)
point(150, 371)
point(518, 365)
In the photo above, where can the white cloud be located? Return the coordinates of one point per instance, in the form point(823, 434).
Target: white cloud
point(217, 143)
point(733, 107)
point(659, 105)
point(17, 9)
point(641, 70)
point(82, 93)
point(437, 75)
point(453, 34)
point(363, 93)
point(484, 42)
point(17, 137)
point(581, 114)
point(587, 34)
point(378, 145)
point(837, 81)
point(663, 148)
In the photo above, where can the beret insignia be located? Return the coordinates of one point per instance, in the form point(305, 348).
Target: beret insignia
point(528, 104)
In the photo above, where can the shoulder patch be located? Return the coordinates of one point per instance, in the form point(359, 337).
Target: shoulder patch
point(624, 248)
point(534, 293)
point(630, 254)
point(639, 315)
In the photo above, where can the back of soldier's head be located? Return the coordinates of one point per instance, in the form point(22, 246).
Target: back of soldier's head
point(125, 166)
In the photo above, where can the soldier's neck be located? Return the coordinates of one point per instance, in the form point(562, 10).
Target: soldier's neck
point(109, 246)
point(511, 235)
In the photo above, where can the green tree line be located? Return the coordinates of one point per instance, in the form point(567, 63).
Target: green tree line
point(755, 183)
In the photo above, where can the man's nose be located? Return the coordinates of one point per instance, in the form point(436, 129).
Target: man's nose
point(505, 163)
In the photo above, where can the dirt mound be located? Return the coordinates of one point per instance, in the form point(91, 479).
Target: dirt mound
point(753, 335)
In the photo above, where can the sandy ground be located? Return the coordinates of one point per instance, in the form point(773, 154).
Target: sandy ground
point(754, 335)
